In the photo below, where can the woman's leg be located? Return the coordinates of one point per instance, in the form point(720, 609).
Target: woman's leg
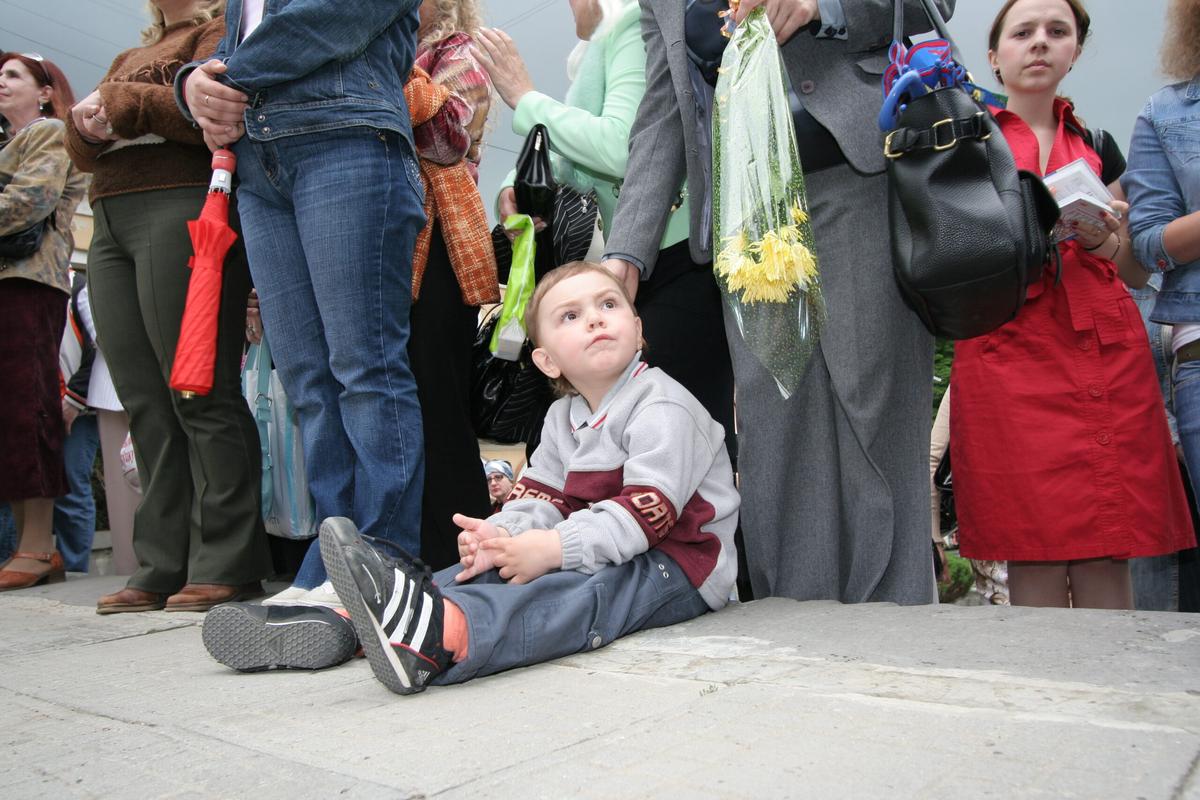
point(1038, 583)
point(1100, 583)
point(163, 519)
point(684, 328)
point(333, 271)
point(34, 517)
point(443, 332)
point(121, 497)
point(32, 319)
point(75, 512)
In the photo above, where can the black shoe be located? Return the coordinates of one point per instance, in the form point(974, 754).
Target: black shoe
point(393, 604)
point(249, 637)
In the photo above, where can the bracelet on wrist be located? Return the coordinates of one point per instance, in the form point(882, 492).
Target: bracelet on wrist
point(1116, 249)
point(1100, 244)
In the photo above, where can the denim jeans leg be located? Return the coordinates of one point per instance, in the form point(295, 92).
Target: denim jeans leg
point(1185, 390)
point(8, 532)
point(75, 512)
point(330, 222)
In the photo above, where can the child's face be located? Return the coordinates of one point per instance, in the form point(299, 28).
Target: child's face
point(588, 331)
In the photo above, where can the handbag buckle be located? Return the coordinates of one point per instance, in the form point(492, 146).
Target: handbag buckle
point(934, 130)
point(887, 146)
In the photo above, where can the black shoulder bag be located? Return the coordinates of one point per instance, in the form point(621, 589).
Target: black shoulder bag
point(25, 243)
point(969, 231)
point(570, 215)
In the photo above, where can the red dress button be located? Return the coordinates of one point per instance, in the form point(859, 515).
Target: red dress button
point(1104, 439)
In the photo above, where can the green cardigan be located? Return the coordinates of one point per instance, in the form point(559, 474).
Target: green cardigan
point(589, 132)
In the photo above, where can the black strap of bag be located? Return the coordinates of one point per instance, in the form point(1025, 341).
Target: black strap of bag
point(969, 231)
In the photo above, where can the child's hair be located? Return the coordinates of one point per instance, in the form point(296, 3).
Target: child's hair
point(551, 279)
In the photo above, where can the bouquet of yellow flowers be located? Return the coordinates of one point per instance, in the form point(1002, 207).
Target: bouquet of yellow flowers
point(764, 256)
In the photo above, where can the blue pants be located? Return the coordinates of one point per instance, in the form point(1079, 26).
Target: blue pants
point(330, 221)
point(75, 512)
point(8, 532)
point(516, 625)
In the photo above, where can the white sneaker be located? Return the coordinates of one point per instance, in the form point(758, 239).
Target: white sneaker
point(323, 596)
point(287, 597)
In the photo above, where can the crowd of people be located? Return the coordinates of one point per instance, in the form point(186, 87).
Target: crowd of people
point(358, 129)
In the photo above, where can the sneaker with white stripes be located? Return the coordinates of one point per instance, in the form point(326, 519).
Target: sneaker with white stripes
point(394, 605)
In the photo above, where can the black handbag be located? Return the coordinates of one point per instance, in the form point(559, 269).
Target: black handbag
point(570, 226)
point(534, 182)
point(969, 231)
point(25, 243)
point(508, 398)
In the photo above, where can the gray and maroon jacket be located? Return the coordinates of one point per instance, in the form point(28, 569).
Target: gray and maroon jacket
point(647, 469)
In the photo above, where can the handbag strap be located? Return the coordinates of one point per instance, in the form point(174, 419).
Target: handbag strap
point(935, 18)
point(259, 358)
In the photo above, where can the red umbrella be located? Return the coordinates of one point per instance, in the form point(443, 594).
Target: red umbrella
point(212, 237)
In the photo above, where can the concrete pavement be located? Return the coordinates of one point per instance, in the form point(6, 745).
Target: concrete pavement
point(767, 699)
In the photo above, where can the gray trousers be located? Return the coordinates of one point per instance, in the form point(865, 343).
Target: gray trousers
point(835, 479)
point(560, 613)
point(199, 462)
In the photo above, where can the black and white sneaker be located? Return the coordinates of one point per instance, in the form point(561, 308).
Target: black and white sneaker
point(250, 638)
point(393, 604)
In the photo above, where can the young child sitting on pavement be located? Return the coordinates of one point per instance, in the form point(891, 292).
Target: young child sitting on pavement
point(622, 521)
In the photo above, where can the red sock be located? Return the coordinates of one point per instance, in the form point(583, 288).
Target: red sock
point(454, 631)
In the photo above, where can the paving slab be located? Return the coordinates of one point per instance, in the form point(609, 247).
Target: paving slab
point(768, 699)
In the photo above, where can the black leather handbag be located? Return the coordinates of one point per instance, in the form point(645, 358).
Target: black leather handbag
point(508, 398)
point(969, 231)
point(25, 243)
point(534, 182)
point(570, 228)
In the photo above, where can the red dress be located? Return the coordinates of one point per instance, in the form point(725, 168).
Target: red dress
point(1058, 435)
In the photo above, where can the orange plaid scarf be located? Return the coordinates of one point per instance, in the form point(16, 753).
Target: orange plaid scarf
point(452, 199)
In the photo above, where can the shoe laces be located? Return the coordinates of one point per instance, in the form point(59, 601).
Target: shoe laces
point(397, 553)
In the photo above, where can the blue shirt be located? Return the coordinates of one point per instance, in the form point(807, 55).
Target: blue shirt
point(1162, 183)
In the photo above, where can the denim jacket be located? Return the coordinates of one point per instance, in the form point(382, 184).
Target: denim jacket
point(318, 65)
point(1162, 183)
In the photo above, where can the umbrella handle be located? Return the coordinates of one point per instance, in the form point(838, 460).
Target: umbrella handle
point(224, 162)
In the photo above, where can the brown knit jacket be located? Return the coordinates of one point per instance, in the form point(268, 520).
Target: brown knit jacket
point(452, 200)
point(159, 149)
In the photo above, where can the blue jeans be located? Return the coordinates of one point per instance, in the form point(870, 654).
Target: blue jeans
point(1185, 391)
point(8, 532)
point(516, 625)
point(75, 512)
point(330, 221)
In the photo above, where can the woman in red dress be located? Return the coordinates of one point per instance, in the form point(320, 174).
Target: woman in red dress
point(1063, 463)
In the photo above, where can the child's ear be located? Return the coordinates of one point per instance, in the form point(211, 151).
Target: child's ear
point(641, 341)
point(545, 363)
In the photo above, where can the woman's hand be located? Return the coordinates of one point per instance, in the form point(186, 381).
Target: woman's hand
point(217, 108)
point(1092, 237)
point(91, 119)
point(507, 203)
point(254, 326)
point(786, 16)
point(70, 414)
point(498, 55)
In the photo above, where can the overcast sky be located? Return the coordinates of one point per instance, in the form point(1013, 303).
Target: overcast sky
point(1118, 70)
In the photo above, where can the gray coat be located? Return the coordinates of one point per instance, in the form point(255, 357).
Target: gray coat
point(834, 478)
point(836, 80)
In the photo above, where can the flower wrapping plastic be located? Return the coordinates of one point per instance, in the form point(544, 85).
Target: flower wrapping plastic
point(764, 256)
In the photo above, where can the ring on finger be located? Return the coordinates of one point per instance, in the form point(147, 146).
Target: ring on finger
point(206, 99)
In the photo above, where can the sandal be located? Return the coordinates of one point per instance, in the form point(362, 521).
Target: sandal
point(16, 579)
